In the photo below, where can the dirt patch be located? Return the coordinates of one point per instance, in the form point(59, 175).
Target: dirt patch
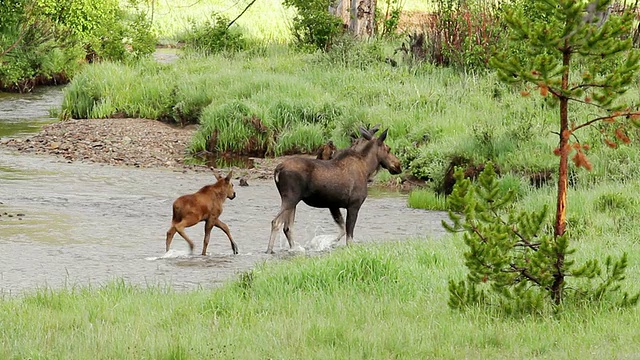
point(125, 142)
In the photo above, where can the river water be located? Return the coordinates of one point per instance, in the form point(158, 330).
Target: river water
point(67, 224)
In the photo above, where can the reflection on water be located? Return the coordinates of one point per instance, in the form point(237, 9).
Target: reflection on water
point(26, 113)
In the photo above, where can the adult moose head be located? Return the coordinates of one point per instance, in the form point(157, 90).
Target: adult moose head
point(339, 183)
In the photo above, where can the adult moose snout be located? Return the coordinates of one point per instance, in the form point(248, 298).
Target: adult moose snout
point(386, 158)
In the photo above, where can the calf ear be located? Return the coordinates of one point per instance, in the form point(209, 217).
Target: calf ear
point(228, 178)
point(365, 133)
point(382, 136)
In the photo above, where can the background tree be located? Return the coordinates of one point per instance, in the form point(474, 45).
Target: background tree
point(357, 15)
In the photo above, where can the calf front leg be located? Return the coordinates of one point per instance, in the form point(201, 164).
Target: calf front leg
point(222, 226)
point(208, 225)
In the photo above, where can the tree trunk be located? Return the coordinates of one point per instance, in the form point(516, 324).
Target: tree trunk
point(358, 16)
point(363, 22)
point(563, 172)
point(340, 8)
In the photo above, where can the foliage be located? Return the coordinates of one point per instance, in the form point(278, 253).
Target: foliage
point(575, 34)
point(44, 42)
point(463, 34)
point(313, 26)
point(214, 36)
point(514, 262)
point(388, 22)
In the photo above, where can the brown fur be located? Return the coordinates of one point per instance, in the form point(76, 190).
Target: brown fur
point(339, 183)
point(326, 151)
point(204, 205)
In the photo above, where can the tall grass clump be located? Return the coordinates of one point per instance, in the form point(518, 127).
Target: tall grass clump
point(427, 199)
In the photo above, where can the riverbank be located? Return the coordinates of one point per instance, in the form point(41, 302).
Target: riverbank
point(141, 143)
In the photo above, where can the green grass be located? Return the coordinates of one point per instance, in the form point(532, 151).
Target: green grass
point(303, 100)
point(373, 302)
point(427, 199)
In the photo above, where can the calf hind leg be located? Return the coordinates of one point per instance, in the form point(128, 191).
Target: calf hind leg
point(170, 234)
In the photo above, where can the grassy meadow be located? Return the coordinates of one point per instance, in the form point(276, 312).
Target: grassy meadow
point(370, 302)
point(374, 302)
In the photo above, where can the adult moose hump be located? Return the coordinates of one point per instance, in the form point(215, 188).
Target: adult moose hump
point(203, 205)
point(339, 183)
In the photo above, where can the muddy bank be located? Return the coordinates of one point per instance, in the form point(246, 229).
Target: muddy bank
point(141, 143)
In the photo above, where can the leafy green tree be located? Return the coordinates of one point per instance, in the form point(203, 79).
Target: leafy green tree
point(575, 35)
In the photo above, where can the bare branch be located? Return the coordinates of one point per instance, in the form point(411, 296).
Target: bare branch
point(592, 121)
point(242, 13)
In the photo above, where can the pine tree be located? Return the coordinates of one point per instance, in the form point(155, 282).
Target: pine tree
point(564, 35)
point(512, 255)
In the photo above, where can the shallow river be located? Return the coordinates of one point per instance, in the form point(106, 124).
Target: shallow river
point(74, 223)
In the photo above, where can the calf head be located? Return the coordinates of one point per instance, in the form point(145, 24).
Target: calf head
point(227, 185)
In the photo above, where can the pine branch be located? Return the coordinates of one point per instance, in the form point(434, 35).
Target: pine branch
point(588, 103)
point(592, 121)
point(523, 272)
point(588, 86)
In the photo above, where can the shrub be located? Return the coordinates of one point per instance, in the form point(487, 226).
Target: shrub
point(214, 36)
point(463, 34)
point(313, 27)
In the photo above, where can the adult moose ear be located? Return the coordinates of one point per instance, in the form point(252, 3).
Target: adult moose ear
point(374, 129)
point(382, 136)
point(228, 178)
point(365, 133)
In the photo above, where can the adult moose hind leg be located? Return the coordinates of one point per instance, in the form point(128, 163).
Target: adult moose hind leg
point(337, 217)
point(352, 216)
point(276, 224)
point(288, 228)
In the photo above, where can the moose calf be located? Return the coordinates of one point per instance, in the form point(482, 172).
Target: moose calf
point(204, 205)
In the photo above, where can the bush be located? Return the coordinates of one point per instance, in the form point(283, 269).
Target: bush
point(313, 26)
point(214, 36)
